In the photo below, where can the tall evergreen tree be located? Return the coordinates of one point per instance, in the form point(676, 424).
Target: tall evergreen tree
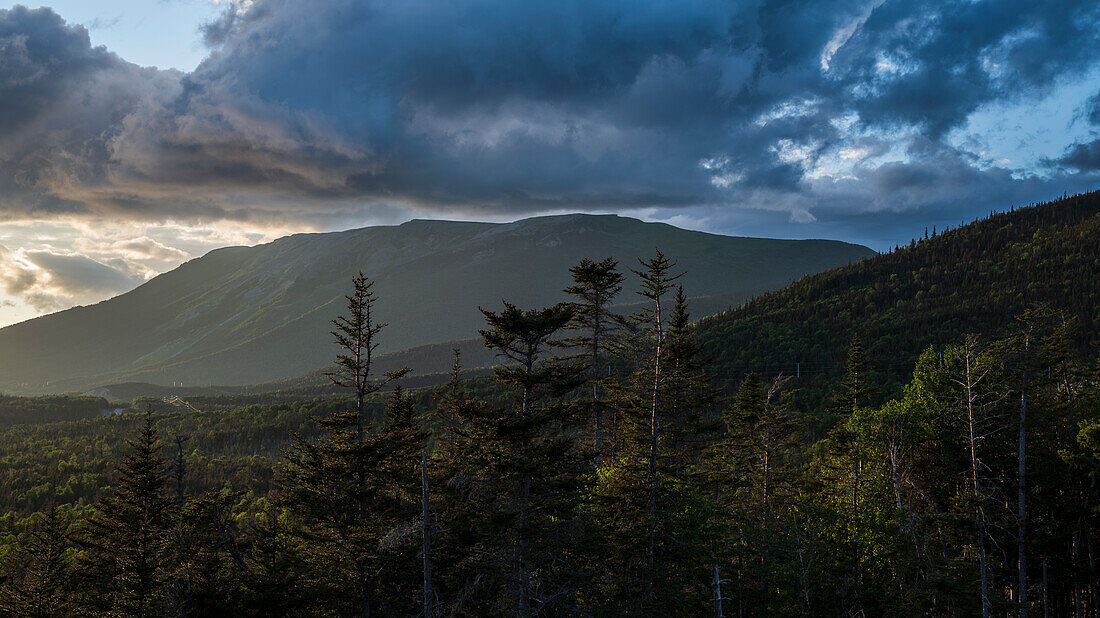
point(340, 485)
point(41, 586)
point(399, 504)
point(461, 482)
point(854, 390)
point(647, 510)
point(691, 417)
point(523, 466)
point(1039, 366)
point(276, 584)
point(124, 542)
point(204, 568)
point(356, 335)
point(751, 473)
point(846, 462)
point(657, 280)
point(595, 285)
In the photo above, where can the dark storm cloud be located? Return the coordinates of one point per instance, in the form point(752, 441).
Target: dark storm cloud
point(60, 102)
point(500, 106)
point(1083, 157)
point(933, 63)
point(1091, 110)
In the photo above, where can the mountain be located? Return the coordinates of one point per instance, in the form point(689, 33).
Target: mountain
point(975, 278)
point(243, 315)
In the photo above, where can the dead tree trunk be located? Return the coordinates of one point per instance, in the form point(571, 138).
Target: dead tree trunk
point(1021, 478)
point(425, 523)
point(970, 382)
point(651, 552)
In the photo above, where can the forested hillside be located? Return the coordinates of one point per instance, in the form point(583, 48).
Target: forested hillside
point(616, 465)
point(50, 409)
point(975, 278)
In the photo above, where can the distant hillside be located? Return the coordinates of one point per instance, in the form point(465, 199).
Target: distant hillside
point(50, 409)
point(244, 315)
point(433, 365)
point(976, 278)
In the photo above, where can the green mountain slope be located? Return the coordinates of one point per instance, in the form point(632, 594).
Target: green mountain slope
point(245, 315)
point(975, 278)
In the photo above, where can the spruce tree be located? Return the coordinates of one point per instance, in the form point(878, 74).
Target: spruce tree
point(276, 583)
point(41, 586)
point(692, 397)
point(1040, 368)
point(472, 552)
point(657, 280)
point(460, 481)
point(336, 485)
point(752, 474)
point(845, 458)
point(647, 510)
point(595, 285)
point(855, 389)
point(125, 540)
point(520, 467)
point(398, 504)
point(205, 569)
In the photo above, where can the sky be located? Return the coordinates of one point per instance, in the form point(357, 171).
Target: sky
point(137, 135)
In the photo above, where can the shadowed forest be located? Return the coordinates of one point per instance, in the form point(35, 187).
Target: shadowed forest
point(943, 461)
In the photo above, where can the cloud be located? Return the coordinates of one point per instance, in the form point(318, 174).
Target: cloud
point(320, 113)
point(60, 101)
point(147, 248)
point(77, 275)
point(16, 277)
point(1084, 157)
point(18, 280)
point(931, 63)
point(49, 281)
point(1091, 110)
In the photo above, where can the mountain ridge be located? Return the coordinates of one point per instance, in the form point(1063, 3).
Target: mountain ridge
point(241, 315)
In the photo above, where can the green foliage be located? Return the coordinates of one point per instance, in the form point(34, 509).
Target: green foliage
point(974, 478)
point(50, 409)
point(515, 470)
point(125, 542)
point(40, 583)
point(975, 278)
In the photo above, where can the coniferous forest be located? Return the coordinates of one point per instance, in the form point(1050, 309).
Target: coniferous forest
point(942, 461)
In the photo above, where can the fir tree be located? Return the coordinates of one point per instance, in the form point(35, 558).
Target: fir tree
point(398, 504)
point(751, 472)
point(648, 513)
point(657, 280)
point(690, 414)
point(595, 285)
point(125, 540)
point(855, 389)
point(275, 584)
point(205, 568)
point(336, 485)
point(461, 482)
point(521, 465)
point(42, 587)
